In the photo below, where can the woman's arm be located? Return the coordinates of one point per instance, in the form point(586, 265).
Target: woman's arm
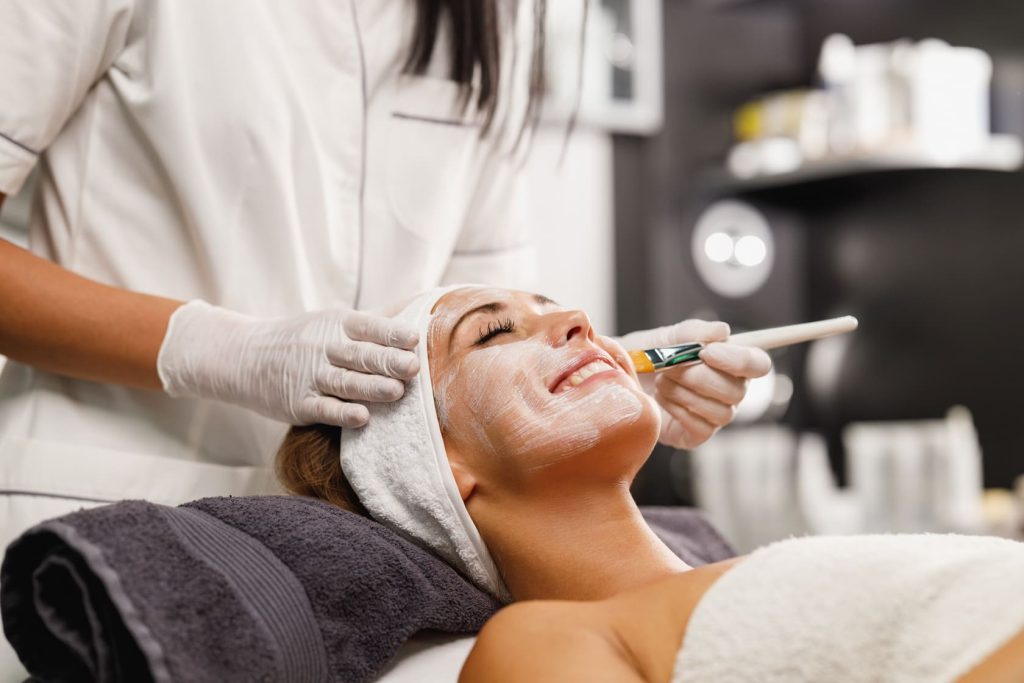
point(61, 322)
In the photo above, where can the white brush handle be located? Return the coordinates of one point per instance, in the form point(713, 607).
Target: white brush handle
point(775, 337)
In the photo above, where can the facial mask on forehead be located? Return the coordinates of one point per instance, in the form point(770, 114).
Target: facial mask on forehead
point(398, 467)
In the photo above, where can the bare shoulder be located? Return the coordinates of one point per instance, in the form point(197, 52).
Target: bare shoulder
point(547, 640)
point(1005, 665)
point(631, 637)
point(650, 621)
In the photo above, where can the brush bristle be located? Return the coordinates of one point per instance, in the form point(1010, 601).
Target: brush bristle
point(641, 362)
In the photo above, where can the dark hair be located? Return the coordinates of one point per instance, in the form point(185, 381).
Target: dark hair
point(475, 48)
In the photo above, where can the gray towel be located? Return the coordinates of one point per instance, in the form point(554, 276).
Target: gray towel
point(688, 534)
point(242, 589)
point(224, 589)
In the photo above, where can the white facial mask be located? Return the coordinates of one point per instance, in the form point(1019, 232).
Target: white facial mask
point(503, 393)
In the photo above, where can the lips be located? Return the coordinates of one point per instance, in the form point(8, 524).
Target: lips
point(583, 369)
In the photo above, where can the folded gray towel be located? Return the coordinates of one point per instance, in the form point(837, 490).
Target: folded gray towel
point(224, 589)
point(242, 589)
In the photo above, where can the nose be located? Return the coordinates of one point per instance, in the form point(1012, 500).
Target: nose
point(569, 325)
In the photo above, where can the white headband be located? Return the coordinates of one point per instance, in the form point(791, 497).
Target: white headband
point(398, 467)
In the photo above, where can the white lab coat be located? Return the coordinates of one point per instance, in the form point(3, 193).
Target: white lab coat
point(261, 155)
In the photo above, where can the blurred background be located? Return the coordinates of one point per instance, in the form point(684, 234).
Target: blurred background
point(767, 162)
point(804, 159)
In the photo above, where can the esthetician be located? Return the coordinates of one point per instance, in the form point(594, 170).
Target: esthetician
point(227, 190)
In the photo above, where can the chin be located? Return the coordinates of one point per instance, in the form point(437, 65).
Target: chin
point(632, 443)
point(615, 451)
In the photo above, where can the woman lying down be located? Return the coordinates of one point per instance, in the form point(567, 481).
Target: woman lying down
point(511, 456)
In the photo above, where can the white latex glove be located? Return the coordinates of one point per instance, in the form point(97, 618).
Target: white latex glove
point(300, 370)
point(698, 400)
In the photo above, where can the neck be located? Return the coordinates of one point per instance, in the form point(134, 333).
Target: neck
point(587, 546)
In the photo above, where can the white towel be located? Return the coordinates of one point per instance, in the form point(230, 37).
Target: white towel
point(858, 608)
point(398, 467)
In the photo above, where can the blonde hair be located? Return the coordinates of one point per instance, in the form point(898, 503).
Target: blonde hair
point(308, 464)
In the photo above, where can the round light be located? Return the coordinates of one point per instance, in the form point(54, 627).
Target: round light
point(750, 251)
point(719, 247)
point(716, 250)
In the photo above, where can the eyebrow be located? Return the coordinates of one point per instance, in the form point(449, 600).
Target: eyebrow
point(493, 307)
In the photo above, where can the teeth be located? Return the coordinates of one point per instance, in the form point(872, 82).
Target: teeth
point(577, 378)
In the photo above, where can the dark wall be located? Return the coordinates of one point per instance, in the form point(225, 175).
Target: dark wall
point(932, 262)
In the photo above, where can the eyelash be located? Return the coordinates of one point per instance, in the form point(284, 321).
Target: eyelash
point(494, 328)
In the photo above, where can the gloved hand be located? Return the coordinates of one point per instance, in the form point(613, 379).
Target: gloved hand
point(698, 400)
point(299, 370)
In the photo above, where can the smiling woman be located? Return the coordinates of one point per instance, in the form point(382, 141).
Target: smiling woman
point(511, 457)
point(522, 383)
point(534, 411)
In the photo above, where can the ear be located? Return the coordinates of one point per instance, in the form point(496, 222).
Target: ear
point(464, 479)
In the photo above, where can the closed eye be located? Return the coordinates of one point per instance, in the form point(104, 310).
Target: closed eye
point(494, 328)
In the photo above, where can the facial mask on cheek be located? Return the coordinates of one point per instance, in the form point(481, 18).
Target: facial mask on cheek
point(571, 425)
point(513, 414)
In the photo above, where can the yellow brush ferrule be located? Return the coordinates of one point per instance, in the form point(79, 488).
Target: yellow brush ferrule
point(641, 362)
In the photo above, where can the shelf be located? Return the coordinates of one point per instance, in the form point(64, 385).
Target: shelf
point(1002, 153)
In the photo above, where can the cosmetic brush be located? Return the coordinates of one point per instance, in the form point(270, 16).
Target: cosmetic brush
point(654, 360)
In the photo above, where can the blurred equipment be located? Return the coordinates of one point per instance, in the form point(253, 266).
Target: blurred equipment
point(1004, 512)
point(895, 104)
point(745, 480)
point(763, 483)
point(733, 249)
point(917, 476)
